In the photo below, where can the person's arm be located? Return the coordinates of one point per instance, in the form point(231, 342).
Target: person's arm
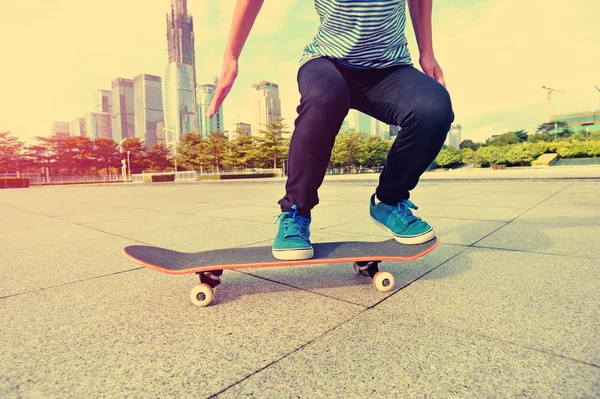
point(420, 15)
point(244, 15)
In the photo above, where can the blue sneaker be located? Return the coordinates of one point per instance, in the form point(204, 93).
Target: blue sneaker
point(400, 222)
point(292, 240)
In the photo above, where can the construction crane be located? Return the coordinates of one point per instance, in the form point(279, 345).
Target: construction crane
point(550, 90)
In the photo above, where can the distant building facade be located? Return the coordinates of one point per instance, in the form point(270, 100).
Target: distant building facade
point(123, 108)
point(148, 107)
point(267, 105)
point(61, 129)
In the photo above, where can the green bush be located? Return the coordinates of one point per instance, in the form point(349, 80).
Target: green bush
point(14, 182)
point(158, 178)
point(247, 176)
point(448, 157)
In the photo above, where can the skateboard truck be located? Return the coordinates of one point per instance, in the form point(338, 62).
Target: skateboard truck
point(383, 281)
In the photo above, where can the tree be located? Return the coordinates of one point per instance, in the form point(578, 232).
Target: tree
point(559, 129)
point(107, 153)
point(537, 137)
point(191, 152)
point(346, 149)
point(10, 152)
point(519, 154)
point(78, 153)
point(158, 158)
point(448, 157)
point(216, 147)
point(137, 157)
point(46, 153)
point(240, 152)
point(469, 144)
point(472, 157)
point(494, 155)
point(272, 147)
point(504, 139)
point(373, 151)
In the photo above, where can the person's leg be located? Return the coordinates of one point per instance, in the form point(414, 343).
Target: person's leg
point(324, 103)
point(422, 108)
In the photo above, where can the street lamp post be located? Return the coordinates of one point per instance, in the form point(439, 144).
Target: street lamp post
point(129, 165)
point(174, 147)
point(123, 166)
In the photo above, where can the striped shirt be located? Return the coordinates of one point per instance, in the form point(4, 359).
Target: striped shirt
point(360, 34)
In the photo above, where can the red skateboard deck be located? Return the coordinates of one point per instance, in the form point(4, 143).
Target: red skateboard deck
point(209, 264)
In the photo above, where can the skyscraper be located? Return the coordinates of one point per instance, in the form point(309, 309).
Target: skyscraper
point(455, 136)
point(359, 121)
point(122, 101)
point(180, 74)
point(148, 107)
point(267, 105)
point(99, 125)
point(239, 129)
point(60, 129)
point(103, 101)
point(78, 127)
point(204, 97)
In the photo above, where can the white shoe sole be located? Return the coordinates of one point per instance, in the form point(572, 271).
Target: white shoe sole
point(420, 239)
point(293, 254)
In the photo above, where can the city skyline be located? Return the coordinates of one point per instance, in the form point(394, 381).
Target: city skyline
point(494, 89)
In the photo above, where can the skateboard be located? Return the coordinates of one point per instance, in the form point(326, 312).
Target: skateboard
point(209, 265)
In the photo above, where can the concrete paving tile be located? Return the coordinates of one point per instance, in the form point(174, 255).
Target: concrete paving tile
point(14, 220)
point(460, 211)
point(545, 302)
point(117, 215)
point(137, 334)
point(147, 222)
point(212, 233)
point(560, 235)
point(58, 233)
point(449, 231)
point(51, 265)
point(379, 354)
point(520, 201)
point(561, 207)
point(340, 281)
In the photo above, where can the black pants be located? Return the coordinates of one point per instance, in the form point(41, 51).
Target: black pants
point(400, 96)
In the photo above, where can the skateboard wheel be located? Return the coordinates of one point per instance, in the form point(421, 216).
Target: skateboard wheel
point(383, 281)
point(202, 295)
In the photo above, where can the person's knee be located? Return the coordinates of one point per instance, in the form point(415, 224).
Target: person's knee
point(435, 110)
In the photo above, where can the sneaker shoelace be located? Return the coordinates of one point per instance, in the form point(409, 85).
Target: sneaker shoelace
point(404, 211)
point(293, 224)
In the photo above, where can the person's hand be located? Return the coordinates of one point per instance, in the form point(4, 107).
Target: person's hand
point(431, 67)
point(228, 74)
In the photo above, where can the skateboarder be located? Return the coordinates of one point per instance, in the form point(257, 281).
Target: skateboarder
point(358, 59)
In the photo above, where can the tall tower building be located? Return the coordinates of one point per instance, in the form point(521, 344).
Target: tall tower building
point(99, 125)
point(122, 101)
point(148, 107)
point(60, 129)
point(180, 74)
point(455, 136)
point(103, 101)
point(359, 121)
point(239, 129)
point(204, 97)
point(267, 105)
point(78, 127)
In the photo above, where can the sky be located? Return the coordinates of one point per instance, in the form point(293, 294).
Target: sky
point(496, 56)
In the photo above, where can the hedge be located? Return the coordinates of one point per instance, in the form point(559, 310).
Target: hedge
point(14, 182)
point(158, 178)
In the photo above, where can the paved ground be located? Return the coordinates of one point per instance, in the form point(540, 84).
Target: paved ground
point(507, 306)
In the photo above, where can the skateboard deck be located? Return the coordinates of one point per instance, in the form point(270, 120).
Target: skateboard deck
point(366, 257)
